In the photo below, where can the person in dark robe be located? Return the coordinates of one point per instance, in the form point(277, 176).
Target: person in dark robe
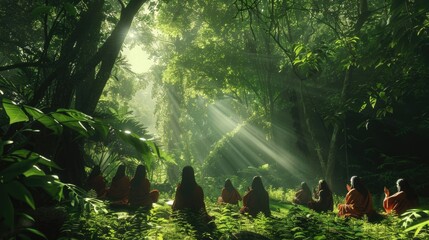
point(303, 195)
point(140, 194)
point(190, 196)
point(358, 200)
point(229, 194)
point(323, 200)
point(256, 200)
point(97, 182)
point(119, 188)
point(405, 198)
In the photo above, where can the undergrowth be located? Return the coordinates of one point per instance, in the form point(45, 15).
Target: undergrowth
point(287, 222)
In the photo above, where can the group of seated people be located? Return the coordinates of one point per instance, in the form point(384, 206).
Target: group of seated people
point(190, 196)
point(123, 191)
point(358, 201)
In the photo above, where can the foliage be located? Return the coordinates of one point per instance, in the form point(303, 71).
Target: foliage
point(23, 171)
point(415, 220)
point(288, 222)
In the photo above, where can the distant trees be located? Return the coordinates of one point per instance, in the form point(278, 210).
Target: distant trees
point(337, 69)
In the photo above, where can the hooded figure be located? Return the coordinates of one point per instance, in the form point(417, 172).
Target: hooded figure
point(229, 194)
point(140, 194)
point(256, 200)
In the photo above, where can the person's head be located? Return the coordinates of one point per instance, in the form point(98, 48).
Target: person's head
point(228, 184)
point(188, 179)
point(323, 185)
point(257, 184)
point(403, 185)
point(357, 183)
point(120, 172)
point(139, 176)
point(140, 172)
point(304, 187)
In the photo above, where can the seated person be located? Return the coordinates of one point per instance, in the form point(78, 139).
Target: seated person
point(96, 182)
point(303, 195)
point(358, 200)
point(190, 196)
point(120, 187)
point(323, 200)
point(406, 198)
point(140, 194)
point(256, 200)
point(229, 194)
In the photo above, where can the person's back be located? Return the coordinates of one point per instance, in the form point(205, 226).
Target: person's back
point(323, 200)
point(256, 200)
point(140, 194)
point(96, 182)
point(358, 201)
point(120, 187)
point(192, 200)
point(229, 194)
point(190, 196)
point(404, 199)
point(303, 195)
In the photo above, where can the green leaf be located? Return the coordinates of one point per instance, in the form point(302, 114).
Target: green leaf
point(34, 171)
point(19, 192)
point(7, 210)
point(40, 10)
point(80, 116)
point(70, 9)
point(44, 119)
point(298, 49)
point(16, 169)
point(71, 123)
point(14, 112)
point(362, 107)
point(49, 183)
point(27, 154)
point(373, 101)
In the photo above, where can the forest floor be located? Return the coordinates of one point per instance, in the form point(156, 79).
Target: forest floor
point(288, 221)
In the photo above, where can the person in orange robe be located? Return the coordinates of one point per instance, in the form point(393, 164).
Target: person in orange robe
point(323, 200)
point(358, 200)
point(189, 195)
point(256, 200)
point(406, 198)
point(120, 187)
point(229, 194)
point(140, 194)
point(97, 182)
point(303, 195)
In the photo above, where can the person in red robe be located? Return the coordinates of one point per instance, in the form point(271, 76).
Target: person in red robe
point(97, 182)
point(229, 194)
point(323, 200)
point(303, 195)
point(190, 196)
point(256, 200)
point(140, 194)
point(358, 200)
point(406, 198)
point(119, 188)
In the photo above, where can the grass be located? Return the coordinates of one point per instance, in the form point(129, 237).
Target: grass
point(287, 222)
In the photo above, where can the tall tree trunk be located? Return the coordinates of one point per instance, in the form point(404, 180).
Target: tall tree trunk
point(107, 56)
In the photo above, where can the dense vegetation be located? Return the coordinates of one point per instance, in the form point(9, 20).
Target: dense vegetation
point(289, 90)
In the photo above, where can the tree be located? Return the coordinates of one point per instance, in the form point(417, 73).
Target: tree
point(68, 59)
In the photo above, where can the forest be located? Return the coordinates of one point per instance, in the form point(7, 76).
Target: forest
point(133, 119)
